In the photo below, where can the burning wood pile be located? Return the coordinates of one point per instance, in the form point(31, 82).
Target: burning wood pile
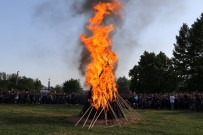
point(104, 103)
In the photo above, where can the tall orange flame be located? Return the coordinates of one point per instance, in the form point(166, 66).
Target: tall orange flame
point(100, 72)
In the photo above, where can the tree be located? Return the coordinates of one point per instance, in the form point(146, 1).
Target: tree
point(72, 86)
point(11, 80)
point(167, 76)
point(188, 56)
point(3, 80)
point(37, 84)
point(148, 74)
point(58, 88)
point(181, 58)
point(134, 74)
point(123, 85)
point(25, 83)
point(154, 73)
point(195, 81)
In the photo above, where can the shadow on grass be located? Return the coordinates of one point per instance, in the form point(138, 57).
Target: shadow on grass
point(176, 112)
point(190, 114)
point(48, 120)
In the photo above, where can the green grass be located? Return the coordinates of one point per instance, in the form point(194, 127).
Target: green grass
point(52, 120)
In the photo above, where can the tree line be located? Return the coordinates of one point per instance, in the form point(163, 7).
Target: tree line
point(13, 81)
point(182, 72)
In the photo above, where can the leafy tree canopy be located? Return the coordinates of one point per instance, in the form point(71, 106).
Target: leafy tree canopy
point(152, 74)
point(123, 85)
point(72, 86)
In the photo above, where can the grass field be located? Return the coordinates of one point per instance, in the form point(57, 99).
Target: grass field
point(52, 120)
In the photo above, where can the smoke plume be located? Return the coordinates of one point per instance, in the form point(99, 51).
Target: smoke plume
point(71, 17)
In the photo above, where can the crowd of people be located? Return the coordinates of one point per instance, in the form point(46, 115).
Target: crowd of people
point(188, 101)
point(31, 97)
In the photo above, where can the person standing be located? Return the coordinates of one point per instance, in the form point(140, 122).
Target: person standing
point(172, 101)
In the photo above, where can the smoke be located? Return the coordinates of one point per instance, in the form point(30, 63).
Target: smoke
point(60, 19)
point(137, 16)
point(88, 4)
point(70, 17)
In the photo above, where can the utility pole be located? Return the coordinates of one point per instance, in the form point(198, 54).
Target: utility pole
point(17, 78)
point(49, 84)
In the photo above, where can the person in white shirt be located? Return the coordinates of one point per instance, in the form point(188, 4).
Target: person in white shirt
point(172, 101)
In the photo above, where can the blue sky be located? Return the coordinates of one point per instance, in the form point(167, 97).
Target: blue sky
point(40, 38)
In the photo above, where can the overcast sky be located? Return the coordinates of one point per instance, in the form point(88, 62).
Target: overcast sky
point(40, 38)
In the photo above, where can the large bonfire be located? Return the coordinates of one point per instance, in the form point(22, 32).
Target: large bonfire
point(104, 101)
point(100, 72)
